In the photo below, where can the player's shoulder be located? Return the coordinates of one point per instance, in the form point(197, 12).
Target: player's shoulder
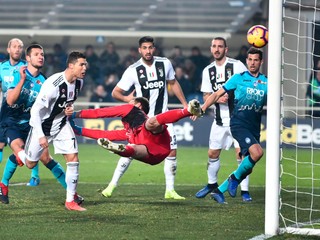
point(55, 80)
point(135, 65)
point(160, 59)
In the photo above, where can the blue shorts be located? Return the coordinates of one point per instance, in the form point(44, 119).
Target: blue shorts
point(2, 136)
point(15, 131)
point(245, 138)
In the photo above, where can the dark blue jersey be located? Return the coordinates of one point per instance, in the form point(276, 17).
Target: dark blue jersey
point(19, 112)
point(250, 98)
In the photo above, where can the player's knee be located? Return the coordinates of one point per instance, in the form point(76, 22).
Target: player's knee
point(213, 153)
point(30, 164)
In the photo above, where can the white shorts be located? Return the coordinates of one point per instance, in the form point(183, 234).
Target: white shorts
point(173, 137)
point(221, 137)
point(64, 142)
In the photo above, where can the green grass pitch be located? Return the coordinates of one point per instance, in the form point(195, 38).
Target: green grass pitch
point(137, 209)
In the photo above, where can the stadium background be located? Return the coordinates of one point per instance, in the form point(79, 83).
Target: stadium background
point(75, 24)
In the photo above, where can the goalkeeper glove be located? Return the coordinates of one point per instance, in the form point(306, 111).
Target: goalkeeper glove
point(77, 130)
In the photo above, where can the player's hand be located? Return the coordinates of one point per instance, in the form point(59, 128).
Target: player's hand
point(22, 72)
point(223, 99)
point(43, 141)
point(69, 110)
point(77, 130)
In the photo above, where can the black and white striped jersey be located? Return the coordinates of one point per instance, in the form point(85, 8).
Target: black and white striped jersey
point(47, 113)
point(150, 82)
point(213, 77)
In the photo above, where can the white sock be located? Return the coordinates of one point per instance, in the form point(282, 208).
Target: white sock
point(170, 167)
point(213, 169)
point(22, 156)
point(245, 182)
point(72, 175)
point(121, 168)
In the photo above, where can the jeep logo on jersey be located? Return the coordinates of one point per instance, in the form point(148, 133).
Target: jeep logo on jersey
point(153, 85)
point(216, 86)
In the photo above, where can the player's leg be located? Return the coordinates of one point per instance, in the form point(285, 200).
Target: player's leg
point(2, 144)
point(122, 166)
point(170, 167)
point(219, 139)
point(65, 143)
point(8, 172)
point(35, 179)
point(245, 182)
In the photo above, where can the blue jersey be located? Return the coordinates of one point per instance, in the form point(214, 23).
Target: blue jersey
point(6, 74)
point(250, 97)
point(19, 112)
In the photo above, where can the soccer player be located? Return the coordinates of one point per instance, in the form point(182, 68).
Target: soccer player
point(14, 49)
point(150, 76)
point(250, 89)
point(213, 77)
point(15, 116)
point(49, 123)
point(149, 139)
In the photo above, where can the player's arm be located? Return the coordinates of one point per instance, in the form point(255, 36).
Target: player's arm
point(118, 94)
point(113, 135)
point(106, 112)
point(213, 98)
point(14, 92)
point(176, 88)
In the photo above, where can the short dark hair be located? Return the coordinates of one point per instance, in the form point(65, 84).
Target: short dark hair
point(221, 39)
point(254, 50)
point(32, 46)
point(144, 104)
point(146, 39)
point(74, 56)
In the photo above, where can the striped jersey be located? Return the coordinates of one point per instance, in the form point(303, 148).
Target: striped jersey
point(48, 111)
point(150, 82)
point(213, 78)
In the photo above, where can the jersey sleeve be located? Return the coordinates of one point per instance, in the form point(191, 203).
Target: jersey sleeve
point(206, 86)
point(239, 67)
point(107, 112)
point(112, 135)
point(127, 79)
point(170, 73)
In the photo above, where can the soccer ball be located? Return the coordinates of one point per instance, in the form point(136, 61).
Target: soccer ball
point(258, 36)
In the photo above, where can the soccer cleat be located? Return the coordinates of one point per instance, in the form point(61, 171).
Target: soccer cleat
point(232, 186)
point(78, 199)
point(173, 195)
point(33, 182)
point(108, 191)
point(218, 197)
point(246, 197)
point(4, 190)
point(111, 146)
point(194, 108)
point(204, 191)
point(73, 206)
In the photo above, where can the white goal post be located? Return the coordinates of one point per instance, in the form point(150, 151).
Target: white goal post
point(292, 195)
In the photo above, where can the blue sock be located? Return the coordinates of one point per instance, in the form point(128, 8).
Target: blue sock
point(245, 168)
point(58, 172)
point(224, 186)
point(9, 170)
point(1, 155)
point(35, 171)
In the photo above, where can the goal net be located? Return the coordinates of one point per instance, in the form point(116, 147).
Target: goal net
point(300, 136)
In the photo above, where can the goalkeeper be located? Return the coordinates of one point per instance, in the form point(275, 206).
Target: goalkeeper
point(149, 139)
